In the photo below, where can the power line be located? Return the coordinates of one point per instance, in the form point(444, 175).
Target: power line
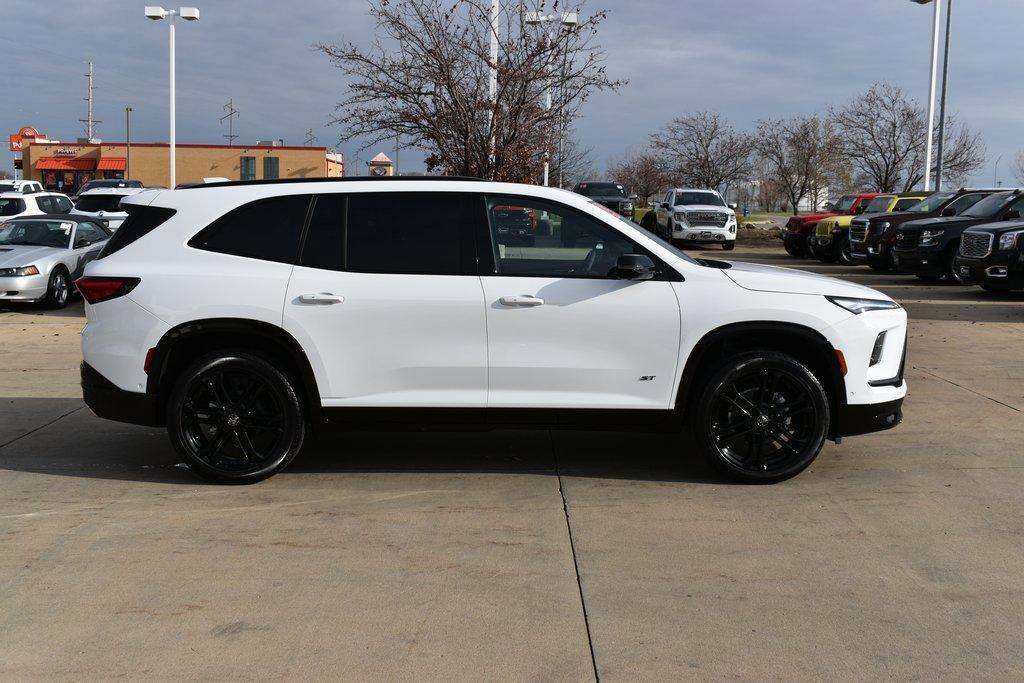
point(231, 115)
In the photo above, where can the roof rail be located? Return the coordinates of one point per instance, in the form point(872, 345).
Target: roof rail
point(290, 181)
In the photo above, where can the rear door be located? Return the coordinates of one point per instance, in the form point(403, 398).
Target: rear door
point(386, 300)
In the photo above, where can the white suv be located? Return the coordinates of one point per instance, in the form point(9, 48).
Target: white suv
point(697, 217)
point(243, 315)
point(104, 203)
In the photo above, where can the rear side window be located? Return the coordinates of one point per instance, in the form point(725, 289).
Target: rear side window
point(11, 207)
point(267, 229)
point(325, 239)
point(141, 221)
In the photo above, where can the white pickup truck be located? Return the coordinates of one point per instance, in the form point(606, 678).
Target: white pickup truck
point(696, 216)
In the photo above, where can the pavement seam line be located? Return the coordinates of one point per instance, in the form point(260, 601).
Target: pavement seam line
point(575, 560)
point(976, 393)
point(42, 426)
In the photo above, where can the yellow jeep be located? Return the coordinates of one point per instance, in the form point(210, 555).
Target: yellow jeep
point(831, 240)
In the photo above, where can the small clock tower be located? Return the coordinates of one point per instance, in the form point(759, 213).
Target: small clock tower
point(381, 165)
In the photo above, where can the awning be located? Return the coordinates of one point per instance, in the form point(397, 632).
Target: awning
point(111, 164)
point(69, 164)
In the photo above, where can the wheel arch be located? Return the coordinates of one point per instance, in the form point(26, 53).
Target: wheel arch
point(803, 343)
point(184, 343)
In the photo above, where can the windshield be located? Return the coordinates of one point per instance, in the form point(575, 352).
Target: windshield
point(989, 206)
point(931, 203)
point(845, 203)
point(37, 233)
point(687, 198)
point(600, 190)
point(104, 202)
point(879, 204)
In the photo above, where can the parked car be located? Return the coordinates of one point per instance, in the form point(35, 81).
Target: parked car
point(928, 248)
point(41, 255)
point(872, 237)
point(105, 182)
point(17, 204)
point(515, 225)
point(607, 194)
point(22, 186)
point(799, 229)
point(243, 315)
point(831, 240)
point(104, 203)
point(992, 256)
point(697, 217)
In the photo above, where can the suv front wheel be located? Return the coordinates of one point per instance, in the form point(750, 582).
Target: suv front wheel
point(235, 418)
point(762, 417)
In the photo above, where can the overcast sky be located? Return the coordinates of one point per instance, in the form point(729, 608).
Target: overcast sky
point(745, 58)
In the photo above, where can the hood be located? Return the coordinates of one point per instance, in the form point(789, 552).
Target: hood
point(15, 255)
point(789, 281)
point(942, 222)
point(703, 207)
point(814, 217)
point(998, 228)
point(609, 198)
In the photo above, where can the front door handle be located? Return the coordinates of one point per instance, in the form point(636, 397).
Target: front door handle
point(321, 298)
point(521, 301)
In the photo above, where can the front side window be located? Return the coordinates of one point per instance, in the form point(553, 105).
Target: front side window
point(845, 203)
point(904, 203)
point(89, 232)
point(879, 204)
point(538, 238)
point(248, 168)
point(965, 202)
point(267, 229)
point(46, 205)
point(931, 203)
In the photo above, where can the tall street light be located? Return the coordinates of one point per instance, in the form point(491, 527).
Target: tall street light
point(128, 143)
point(538, 19)
point(942, 98)
point(931, 93)
point(156, 14)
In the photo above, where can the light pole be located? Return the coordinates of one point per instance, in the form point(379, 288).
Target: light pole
point(931, 93)
point(156, 14)
point(942, 98)
point(538, 19)
point(492, 81)
point(128, 143)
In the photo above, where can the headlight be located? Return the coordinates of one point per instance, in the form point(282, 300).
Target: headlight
point(929, 237)
point(627, 206)
point(859, 306)
point(884, 225)
point(1009, 240)
point(680, 217)
point(19, 272)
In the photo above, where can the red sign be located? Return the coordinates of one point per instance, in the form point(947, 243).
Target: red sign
point(26, 132)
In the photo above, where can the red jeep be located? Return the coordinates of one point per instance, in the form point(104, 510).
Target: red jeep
point(800, 228)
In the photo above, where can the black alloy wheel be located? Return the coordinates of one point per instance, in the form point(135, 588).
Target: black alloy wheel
point(729, 245)
point(844, 253)
point(952, 273)
point(792, 248)
point(59, 289)
point(235, 418)
point(763, 417)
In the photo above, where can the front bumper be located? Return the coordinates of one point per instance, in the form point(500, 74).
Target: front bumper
point(28, 288)
point(110, 402)
point(999, 269)
point(701, 234)
point(873, 417)
point(918, 261)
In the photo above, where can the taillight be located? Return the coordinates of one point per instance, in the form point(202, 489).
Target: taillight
point(97, 289)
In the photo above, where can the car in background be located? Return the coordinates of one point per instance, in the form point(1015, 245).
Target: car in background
point(695, 216)
point(105, 182)
point(831, 240)
point(104, 203)
point(40, 256)
point(22, 186)
point(610, 195)
point(992, 256)
point(928, 248)
point(799, 229)
point(515, 225)
point(872, 237)
point(17, 204)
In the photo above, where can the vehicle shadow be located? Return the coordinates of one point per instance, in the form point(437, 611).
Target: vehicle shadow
point(74, 309)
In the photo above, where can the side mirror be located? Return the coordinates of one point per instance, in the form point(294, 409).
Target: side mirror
point(949, 211)
point(634, 198)
point(82, 243)
point(733, 206)
point(664, 205)
point(1011, 215)
point(634, 267)
point(861, 209)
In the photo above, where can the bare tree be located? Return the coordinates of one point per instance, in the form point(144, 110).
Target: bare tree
point(571, 162)
point(883, 134)
point(703, 150)
point(1018, 166)
point(799, 155)
point(424, 80)
point(643, 174)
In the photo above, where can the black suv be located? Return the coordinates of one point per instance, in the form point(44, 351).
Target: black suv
point(928, 248)
point(872, 237)
point(611, 195)
point(992, 256)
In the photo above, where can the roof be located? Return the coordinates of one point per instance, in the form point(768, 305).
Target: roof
point(381, 158)
point(111, 191)
point(349, 179)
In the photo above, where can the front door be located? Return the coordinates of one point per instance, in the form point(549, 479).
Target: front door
point(88, 241)
point(562, 331)
point(386, 301)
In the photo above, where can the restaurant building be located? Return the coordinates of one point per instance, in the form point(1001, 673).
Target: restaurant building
point(65, 167)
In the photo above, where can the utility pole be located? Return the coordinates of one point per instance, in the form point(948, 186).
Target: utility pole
point(310, 138)
point(492, 80)
point(231, 115)
point(128, 143)
point(89, 121)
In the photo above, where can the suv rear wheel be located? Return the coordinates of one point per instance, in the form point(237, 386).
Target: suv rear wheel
point(235, 418)
point(762, 417)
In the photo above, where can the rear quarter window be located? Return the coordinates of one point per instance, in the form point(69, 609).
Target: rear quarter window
point(141, 221)
point(266, 229)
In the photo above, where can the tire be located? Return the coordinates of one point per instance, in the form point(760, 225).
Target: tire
point(743, 424)
point(950, 271)
point(668, 231)
point(792, 249)
point(649, 222)
point(843, 253)
point(58, 290)
point(808, 249)
point(235, 418)
point(729, 245)
point(824, 254)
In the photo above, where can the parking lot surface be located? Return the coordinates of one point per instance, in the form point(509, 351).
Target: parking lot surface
point(524, 555)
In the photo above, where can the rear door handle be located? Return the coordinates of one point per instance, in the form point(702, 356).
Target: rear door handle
point(521, 301)
point(321, 298)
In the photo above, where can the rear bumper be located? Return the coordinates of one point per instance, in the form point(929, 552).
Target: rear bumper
point(113, 403)
point(872, 417)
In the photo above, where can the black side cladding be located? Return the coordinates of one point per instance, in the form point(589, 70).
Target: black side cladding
point(141, 221)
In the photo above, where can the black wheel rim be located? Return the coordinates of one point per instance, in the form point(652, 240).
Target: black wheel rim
point(234, 421)
point(764, 420)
